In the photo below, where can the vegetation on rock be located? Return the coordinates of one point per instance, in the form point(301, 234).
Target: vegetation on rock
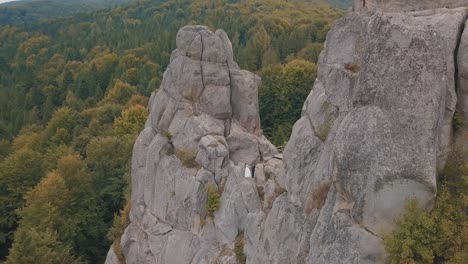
point(187, 157)
point(239, 248)
point(440, 236)
point(117, 230)
point(213, 201)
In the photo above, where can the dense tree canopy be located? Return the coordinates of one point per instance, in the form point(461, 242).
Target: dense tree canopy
point(282, 94)
point(30, 11)
point(73, 96)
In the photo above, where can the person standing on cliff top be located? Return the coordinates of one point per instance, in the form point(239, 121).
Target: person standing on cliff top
point(247, 172)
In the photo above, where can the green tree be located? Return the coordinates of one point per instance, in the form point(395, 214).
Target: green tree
point(282, 93)
point(108, 159)
point(440, 236)
point(132, 121)
point(32, 246)
point(19, 172)
point(64, 203)
point(120, 93)
point(62, 125)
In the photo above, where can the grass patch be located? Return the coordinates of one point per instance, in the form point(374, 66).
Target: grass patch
point(187, 157)
point(261, 193)
point(457, 121)
point(239, 248)
point(213, 202)
point(323, 130)
point(167, 134)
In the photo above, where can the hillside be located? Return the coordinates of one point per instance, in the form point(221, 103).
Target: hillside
point(73, 96)
point(31, 11)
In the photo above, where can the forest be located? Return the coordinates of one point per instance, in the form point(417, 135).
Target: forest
point(73, 95)
point(31, 11)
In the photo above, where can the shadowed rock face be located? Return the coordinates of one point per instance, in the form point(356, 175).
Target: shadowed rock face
point(374, 132)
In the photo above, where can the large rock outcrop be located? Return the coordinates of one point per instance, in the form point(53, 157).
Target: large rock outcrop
point(374, 132)
point(202, 130)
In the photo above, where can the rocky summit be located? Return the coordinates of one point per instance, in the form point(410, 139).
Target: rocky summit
point(374, 132)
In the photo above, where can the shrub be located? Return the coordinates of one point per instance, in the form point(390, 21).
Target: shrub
point(167, 134)
point(323, 130)
point(412, 240)
point(439, 236)
point(213, 202)
point(187, 157)
point(457, 121)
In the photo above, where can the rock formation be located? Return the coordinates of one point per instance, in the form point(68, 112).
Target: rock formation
point(374, 132)
point(203, 129)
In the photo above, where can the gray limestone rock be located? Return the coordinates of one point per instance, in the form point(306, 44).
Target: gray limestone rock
point(193, 140)
point(111, 257)
point(245, 99)
point(374, 132)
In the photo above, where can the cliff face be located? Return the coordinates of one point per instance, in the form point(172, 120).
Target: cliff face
point(374, 132)
point(384, 97)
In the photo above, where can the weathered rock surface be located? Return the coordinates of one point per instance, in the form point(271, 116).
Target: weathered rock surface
point(405, 5)
point(203, 129)
point(374, 132)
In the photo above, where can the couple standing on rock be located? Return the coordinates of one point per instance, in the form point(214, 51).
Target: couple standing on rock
point(249, 171)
